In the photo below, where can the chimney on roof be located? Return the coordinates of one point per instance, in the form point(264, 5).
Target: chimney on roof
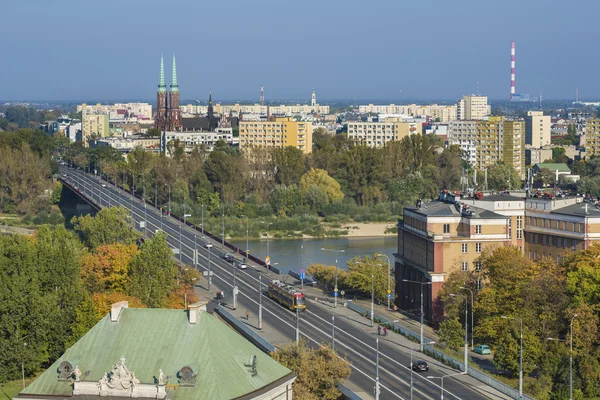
point(115, 310)
point(194, 311)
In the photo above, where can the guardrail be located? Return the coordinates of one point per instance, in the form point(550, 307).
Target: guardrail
point(246, 332)
point(308, 280)
point(438, 355)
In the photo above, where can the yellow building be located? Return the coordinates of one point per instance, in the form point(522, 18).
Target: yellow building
point(94, 126)
point(280, 133)
point(473, 107)
point(377, 134)
point(590, 140)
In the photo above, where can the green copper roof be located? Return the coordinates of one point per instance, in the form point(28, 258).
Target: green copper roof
point(153, 339)
point(162, 86)
point(174, 85)
point(554, 166)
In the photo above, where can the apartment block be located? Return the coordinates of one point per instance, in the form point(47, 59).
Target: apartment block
point(537, 129)
point(282, 132)
point(94, 126)
point(442, 113)
point(120, 111)
point(590, 140)
point(473, 107)
point(377, 134)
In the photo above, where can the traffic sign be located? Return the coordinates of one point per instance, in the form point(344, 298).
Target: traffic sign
point(302, 275)
point(389, 296)
point(268, 260)
point(335, 294)
point(342, 293)
point(389, 291)
point(301, 270)
point(335, 290)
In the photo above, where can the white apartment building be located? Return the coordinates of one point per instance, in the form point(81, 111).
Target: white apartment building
point(537, 129)
point(119, 111)
point(377, 134)
point(207, 139)
point(435, 111)
point(473, 107)
point(299, 109)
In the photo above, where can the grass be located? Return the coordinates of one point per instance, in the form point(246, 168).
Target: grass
point(11, 389)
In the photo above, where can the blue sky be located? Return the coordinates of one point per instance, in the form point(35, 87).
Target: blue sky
point(389, 50)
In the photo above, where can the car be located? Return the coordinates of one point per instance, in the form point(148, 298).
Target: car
point(208, 245)
point(482, 349)
point(241, 265)
point(104, 185)
point(420, 366)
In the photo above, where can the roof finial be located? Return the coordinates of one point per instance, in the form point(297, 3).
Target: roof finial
point(174, 85)
point(162, 87)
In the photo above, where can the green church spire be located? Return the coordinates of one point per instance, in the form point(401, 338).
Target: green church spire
point(174, 85)
point(162, 87)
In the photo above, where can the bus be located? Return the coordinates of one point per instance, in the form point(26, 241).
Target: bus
point(286, 295)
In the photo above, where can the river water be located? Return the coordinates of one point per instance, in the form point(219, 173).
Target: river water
point(297, 253)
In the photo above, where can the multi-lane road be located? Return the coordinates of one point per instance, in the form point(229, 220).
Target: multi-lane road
point(355, 344)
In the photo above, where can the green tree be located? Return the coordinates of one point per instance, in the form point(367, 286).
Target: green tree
point(318, 371)
point(321, 179)
point(451, 333)
point(589, 185)
point(363, 272)
point(501, 176)
point(285, 199)
point(324, 275)
point(289, 164)
point(406, 190)
point(110, 225)
point(151, 272)
point(559, 155)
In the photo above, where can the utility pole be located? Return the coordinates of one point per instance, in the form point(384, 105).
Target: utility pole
point(234, 289)
point(259, 302)
point(373, 300)
point(377, 389)
point(209, 277)
point(333, 332)
point(297, 325)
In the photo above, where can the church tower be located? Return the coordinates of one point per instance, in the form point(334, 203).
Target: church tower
point(174, 122)
point(211, 113)
point(161, 100)
point(313, 100)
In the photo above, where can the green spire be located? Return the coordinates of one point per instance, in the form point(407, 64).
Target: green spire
point(174, 85)
point(210, 98)
point(162, 87)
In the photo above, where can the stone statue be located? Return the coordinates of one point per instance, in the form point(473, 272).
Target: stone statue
point(77, 373)
point(103, 382)
point(120, 376)
point(161, 377)
point(134, 381)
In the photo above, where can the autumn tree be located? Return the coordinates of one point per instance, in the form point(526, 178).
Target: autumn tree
point(318, 179)
point(324, 275)
point(318, 371)
point(107, 270)
point(364, 272)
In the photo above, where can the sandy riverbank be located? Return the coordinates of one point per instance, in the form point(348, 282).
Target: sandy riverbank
point(356, 229)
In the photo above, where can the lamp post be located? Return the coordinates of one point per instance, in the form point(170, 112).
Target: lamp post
point(209, 277)
point(520, 356)
point(372, 300)
point(259, 301)
point(442, 379)
point(389, 289)
point(472, 318)
point(466, 331)
point(202, 219)
point(333, 332)
point(570, 356)
point(247, 248)
point(377, 389)
point(223, 226)
point(420, 283)
point(301, 266)
point(335, 290)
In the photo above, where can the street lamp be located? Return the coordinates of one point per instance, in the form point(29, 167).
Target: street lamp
point(335, 290)
point(570, 357)
point(466, 330)
point(389, 289)
point(442, 379)
point(411, 368)
point(267, 258)
point(472, 313)
point(247, 248)
point(223, 226)
point(420, 283)
point(520, 356)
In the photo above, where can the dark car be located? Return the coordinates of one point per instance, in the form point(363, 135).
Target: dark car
point(228, 257)
point(420, 366)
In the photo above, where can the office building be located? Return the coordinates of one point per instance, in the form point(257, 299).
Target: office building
point(162, 354)
point(537, 129)
point(94, 126)
point(473, 107)
point(280, 133)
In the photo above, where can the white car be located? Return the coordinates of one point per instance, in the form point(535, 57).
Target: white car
point(104, 185)
point(208, 245)
point(241, 265)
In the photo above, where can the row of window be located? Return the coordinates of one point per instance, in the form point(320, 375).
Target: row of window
point(550, 240)
point(556, 224)
point(465, 248)
point(476, 264)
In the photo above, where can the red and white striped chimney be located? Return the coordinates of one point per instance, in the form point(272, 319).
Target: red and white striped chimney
point(512, 70)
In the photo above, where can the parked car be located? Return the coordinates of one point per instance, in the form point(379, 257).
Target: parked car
point(482, 349)
point(420, 366)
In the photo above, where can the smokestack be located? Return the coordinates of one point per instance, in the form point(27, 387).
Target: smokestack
point(262, 95)
point(512, 70)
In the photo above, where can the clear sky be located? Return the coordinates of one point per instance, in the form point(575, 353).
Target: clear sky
point(345, 49)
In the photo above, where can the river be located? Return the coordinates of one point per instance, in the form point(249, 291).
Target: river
point(297, 253)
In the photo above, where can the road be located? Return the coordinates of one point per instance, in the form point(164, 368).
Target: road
point(357, 345)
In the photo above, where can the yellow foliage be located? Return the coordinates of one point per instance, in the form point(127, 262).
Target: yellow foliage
point(103, 301)
point(107, 269)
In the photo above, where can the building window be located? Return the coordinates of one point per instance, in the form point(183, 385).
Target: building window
point(477, 247)
point(465, 248)
point(478, 284)
point(478, 229)
point(465, 266)
point(477, 266)
point(446, 228)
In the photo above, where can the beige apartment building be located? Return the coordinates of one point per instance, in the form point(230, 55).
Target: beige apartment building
point(94, 126)
point(119, 111)
point(473, 107)
point(280, 133)
point(444, 113)
point(446, 235)
point(377, 134)
point(590, 140)
point(537, 129)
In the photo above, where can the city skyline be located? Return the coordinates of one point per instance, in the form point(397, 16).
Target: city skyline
point(290, 49)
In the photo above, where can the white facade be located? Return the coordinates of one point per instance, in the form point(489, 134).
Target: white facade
point(207, 139)
point(119, 111)
point(473, 107)
point(537, 129)
point(71, 131)
point(299, 109)
point(435, 111)
point(377, 134)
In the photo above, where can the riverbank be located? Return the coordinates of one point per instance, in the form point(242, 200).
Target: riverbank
point(375, 229)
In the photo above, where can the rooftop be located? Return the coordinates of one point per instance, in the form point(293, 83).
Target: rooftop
point(579, 209)
point(154, 339)
point(553, 167)
point(439, 208)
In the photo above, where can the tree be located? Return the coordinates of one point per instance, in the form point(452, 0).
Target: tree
point(107, 269)
point(589, 185)
point(289, 163)
point(501, 176)
point(151, 272)
point(583, 276)
point(451, 333)
point(318, 371)
point(406, 190)
point(559, 155)
point(360, 273)
point(285, 199)
point(325, 275)
point(110, 225)
point(321, 179)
